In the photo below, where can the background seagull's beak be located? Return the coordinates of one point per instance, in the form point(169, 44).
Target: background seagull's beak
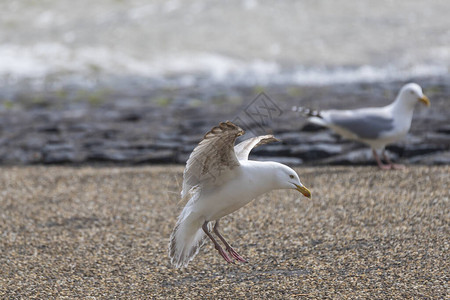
point(425, 100)
point(303, 190)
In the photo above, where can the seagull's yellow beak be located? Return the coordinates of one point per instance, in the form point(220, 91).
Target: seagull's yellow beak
point(425, 100)
point(303, 190)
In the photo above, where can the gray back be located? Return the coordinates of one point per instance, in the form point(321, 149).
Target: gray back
point(364, 126)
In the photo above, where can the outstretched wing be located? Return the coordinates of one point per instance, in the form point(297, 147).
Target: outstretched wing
point(213, 155)
point(243, 149)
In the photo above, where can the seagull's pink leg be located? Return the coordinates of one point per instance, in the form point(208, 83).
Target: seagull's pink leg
point(216, 245)
point(393, 166)
point(380, 164)
point(227, 246)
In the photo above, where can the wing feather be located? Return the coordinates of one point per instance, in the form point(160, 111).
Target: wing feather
point(364, 124)
point(244, 148)
point(213, 155)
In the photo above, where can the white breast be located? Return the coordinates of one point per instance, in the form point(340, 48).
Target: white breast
point(246, 185)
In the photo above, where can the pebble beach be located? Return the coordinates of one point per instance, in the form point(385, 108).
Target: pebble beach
point(102, 232)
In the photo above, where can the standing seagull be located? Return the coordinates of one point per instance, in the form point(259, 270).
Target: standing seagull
point(374, 126)
point(218, 180)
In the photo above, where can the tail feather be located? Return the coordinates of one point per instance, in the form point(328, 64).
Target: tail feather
point(186, 239)
point(307, 112)
point(314, 116)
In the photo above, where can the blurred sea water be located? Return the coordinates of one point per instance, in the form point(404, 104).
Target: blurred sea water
point(58, 42)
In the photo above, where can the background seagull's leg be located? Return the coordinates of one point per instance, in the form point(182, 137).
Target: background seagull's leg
point(380, 164)
point(393, 166)
point(227, 246)
point(216, 245)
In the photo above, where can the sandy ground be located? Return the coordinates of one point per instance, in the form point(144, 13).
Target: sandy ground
point(103, 232)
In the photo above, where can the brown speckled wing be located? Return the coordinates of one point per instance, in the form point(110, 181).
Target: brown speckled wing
point(213, 155)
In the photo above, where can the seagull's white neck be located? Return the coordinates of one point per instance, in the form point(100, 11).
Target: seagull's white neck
point(262, 173)
point(402, 107)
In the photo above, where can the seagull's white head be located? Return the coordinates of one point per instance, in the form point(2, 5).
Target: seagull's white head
point(286, 178)
point(411, 93)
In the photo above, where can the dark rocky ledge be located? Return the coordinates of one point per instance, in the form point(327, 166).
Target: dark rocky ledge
point(163, 126)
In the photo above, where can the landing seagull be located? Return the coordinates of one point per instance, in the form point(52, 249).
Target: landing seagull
point(374, 126)
point(218, 180)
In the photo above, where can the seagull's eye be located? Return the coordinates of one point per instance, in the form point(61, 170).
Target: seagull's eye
point(291, 176)
point(412, 92)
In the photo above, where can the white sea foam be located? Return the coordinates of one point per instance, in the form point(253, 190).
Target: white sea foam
point(56, 60)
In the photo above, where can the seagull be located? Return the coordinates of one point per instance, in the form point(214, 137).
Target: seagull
point(218, 180)
point(374, 126)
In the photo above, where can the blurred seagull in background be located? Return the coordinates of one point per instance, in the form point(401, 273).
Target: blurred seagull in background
point(218, 180)
point(374, 126)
